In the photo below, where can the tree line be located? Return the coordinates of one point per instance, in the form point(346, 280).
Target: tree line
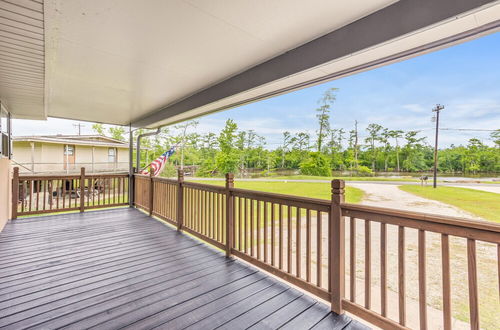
point(329, 149)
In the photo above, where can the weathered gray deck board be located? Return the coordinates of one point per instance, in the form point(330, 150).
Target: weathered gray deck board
point(119, 268)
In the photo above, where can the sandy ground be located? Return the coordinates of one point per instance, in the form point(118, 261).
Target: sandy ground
point(390, 196)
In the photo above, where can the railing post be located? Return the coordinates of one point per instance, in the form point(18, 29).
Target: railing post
point(15, 192)
point(151, 192)
point(229, 213)
point(82, 189)
point(337, 246)
point(180, 199)
point(131, 188)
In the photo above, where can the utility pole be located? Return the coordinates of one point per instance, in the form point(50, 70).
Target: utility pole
point(356, 143)
point(79, 126)
point(437, 109)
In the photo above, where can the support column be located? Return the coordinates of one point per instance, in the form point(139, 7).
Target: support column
point(15, 192)
point(180, 199)
point(130, 168)
point(151, 192)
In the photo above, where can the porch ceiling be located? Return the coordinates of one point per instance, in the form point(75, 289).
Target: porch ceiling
point(127, 62)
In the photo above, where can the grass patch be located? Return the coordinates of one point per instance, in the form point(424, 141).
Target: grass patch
point(345, 178)
point(480, 203)
point(305, 189)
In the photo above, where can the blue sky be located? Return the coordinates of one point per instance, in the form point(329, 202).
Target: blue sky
point(465, 78)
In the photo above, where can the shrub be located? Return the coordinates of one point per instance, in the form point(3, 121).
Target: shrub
point(316, 164)
point(364, 170)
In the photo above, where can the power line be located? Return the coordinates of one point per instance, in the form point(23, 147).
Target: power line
point(469, 129)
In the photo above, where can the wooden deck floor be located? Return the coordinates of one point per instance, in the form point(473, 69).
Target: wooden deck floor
point(122, 269)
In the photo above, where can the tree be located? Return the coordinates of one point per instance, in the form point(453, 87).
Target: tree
point(373, 131)
point(99, 129)
point(495, 136)
point(117, 132)
point(323, 115)
point(182, 138)
point(396, 134)
point(353, 144)
point(287, 140)
point(227, 158)
point(384, 139)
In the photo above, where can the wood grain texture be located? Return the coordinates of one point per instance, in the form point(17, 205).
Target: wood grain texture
point(133, 272)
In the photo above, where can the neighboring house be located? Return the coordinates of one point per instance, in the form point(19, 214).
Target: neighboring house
point(68, 153)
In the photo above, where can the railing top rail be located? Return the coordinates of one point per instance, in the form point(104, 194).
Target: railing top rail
point(166, 180)
point(70, 176)
point(303, 202)
point(438, 223)
point(48, 177)
point(204, 186)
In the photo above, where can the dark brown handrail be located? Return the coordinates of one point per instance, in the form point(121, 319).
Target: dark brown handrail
point(43, 194)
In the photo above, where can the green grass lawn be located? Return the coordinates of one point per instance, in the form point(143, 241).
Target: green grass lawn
point(480, 203)
point(306, 189)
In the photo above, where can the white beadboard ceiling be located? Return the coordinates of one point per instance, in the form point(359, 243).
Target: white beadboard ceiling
point(22, 57)
point(118, 61)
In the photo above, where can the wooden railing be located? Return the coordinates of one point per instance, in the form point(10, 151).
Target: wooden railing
point(33, 195)
point(303, 241)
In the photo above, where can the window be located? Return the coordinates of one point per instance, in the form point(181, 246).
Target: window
point(69, 150)
point(111, 155)
point(4, 132)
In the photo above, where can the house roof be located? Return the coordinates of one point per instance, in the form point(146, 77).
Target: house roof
point(160, 62)
point(86, 140)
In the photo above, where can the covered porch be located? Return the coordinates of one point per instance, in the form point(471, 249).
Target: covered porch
point(120, 268)
point(147, 66)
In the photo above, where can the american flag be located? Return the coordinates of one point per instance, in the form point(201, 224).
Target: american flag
point(158, 164)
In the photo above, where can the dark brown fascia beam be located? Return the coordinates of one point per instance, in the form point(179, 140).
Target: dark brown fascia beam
point(400, 18)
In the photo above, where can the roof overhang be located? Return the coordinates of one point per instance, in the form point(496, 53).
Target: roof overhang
point(167, 61)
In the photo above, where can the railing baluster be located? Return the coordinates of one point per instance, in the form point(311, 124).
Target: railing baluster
point(368, 264)
point(258, 245)
point(352, 254)
point(298, 245)
point(30, 189)
point(445, 259)
point(422, 280)
point(273, 234)
point(64, 193)
point(245, 225)
point(319, 247)
point(240, 224)
point(383, 269)
point(44, 196)
point(401, 275)
point(216, 216)
point(266, 214)
point(252, 228)
point(473, 295)
point(37, 195)
point(280, 243)
point(308, 245)
point(289, 240)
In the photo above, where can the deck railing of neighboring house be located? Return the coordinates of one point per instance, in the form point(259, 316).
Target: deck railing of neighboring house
point(308, 242)
point(58, 193)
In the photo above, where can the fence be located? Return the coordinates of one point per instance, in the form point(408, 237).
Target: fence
point(48, 194)
point(315, 244)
